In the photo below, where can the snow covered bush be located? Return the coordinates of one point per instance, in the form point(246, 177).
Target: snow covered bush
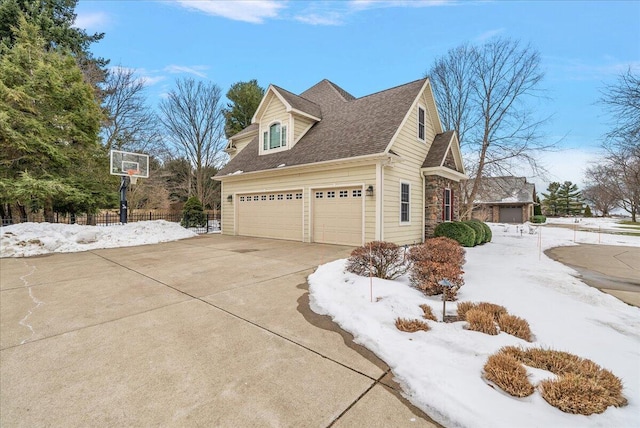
point(411, 326)
point(436, 260)
point(457, 231)
point(380, 259)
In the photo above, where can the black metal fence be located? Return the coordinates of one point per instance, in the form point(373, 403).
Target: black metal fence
point(212, 223)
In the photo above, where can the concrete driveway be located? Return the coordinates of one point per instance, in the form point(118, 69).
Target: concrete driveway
point(208, 331)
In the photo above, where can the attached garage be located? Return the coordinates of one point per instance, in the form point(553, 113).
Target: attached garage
point(511, 215)
point(270, 215)
point(337, 215)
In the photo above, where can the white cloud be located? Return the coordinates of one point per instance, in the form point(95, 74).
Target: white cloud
point(370, 4)
point(488, 35)
point(333, 18)
point(197, 70)
point(577, 69)
point(91, 21)
point(147, 78)
point(253, 11)
point(565, 165)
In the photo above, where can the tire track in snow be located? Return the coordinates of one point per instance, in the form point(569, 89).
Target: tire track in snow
point(23, 321)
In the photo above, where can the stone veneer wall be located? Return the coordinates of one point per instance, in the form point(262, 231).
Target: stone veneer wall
point(434, 189)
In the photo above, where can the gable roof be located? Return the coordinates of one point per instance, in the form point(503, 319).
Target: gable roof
point(507, 189)
point(439, 149)
point(349, 127)
point(299, 103)
point(246, 131)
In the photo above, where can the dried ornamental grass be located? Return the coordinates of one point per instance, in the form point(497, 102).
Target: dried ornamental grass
point(411, 326)
point(508, 373)
point(463, 308)
point(481, 321)
point(583, 387)
point(492, 309)
point(428, 312)
point(515, 326)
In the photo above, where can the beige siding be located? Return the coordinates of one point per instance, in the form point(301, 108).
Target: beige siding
point(240, 144)
point(275, 111)
point(413, 152)
point(351, 176)
point(301, 125)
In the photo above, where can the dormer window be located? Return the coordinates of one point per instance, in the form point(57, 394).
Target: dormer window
point(275, 137)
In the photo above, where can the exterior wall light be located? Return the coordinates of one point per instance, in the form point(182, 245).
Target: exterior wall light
point(370, 190)
point(230, 198)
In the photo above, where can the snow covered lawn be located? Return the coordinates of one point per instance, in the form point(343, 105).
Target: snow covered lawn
point(30, 239)
point(441, 370)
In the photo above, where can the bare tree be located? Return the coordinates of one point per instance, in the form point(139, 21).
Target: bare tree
point(598, 194)
point(483, 93)
point(131, 124)
point(622, 101)
point(193, 118)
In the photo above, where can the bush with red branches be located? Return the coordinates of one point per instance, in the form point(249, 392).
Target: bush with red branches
point(436, 260)
point(380, 259)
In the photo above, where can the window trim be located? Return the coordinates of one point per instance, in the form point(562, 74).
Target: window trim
point(265, 147)
point(407, 202)
point(447, 208)
point(424, 123)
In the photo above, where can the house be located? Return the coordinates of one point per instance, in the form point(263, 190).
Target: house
point(325, 166)
point(504, 199)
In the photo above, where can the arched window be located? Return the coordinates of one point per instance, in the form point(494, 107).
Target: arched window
point(275, 137)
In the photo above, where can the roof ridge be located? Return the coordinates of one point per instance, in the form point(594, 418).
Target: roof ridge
point(392, 88)
point(339, 90)
point(296, 95)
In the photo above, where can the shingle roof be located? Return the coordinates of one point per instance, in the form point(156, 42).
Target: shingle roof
point(299, 103)
point(504, 190)
point(251, 128)
point(438, 150)
point(349, 128)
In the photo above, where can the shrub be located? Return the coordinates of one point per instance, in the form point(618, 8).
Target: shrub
point(491, 309)
point(193, 214)
point(478, 229)
point(587, 211)
point(436, 260)
point(481, 321)
point(428, 313)
point(463, 308)
point(508, 373)
point(457, 231)
point(487, 232)
point(538, 219)
point(515, 326)
point(582, 387)
point(380, 259)
point(411, 326)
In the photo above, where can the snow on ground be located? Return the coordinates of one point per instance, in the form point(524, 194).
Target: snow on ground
point(30, 239)
point(593, 223)
point(441, 370)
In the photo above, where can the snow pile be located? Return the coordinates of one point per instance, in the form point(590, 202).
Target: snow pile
point(441, 370)
point(30, 239)
point(594, 223)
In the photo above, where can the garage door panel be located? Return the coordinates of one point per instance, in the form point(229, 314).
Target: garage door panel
point(337, 216)
point(510, 215)
point(273, 215)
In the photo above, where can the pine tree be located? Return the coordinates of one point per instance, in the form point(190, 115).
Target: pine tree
point(587, 211)
point(49, 123)
point(245, 98)
point(569, 199)
point(551, 202)
point(537, 208)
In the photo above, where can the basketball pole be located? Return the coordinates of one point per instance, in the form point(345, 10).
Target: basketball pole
point(123, 199)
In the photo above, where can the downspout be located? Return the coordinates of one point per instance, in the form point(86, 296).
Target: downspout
point(378, 202)
point(424, 205)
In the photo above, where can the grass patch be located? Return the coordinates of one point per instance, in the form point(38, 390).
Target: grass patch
point(583, 387)
point(411, 326)
point(428, 312)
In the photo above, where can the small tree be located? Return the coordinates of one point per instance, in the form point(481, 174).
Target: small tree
point(193, 214)
point(587, 211)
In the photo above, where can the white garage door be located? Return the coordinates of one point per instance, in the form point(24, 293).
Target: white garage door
point(337, 216)
point(271, 215)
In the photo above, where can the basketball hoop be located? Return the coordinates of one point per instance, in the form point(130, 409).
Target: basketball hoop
point(132, 177)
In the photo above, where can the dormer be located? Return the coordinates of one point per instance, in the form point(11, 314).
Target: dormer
point(240, 140)
point(283, 118)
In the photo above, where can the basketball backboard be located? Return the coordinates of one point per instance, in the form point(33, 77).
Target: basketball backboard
point(129, 164)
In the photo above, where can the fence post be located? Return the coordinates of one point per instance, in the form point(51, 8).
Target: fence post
point(149, 215)
point(107, 219)
point(207, 230)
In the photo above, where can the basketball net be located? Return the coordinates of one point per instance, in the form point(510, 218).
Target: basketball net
point(132, 178)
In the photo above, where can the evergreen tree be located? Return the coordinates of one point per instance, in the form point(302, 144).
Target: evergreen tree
point(587, 211)
point(550, 202)
point(537, 208)
point(569, 199)
point(49, 123)
point(245, 98)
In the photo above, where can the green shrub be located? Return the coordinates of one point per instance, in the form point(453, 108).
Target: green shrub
point(457, 231)
point(487, 232)
point(193, 214)
point(538, 219)
point(478, 229)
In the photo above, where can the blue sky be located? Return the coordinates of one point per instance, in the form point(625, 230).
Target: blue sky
point(367, 46)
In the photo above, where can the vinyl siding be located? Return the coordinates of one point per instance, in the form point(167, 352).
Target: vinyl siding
point(240, 144)
point(413, 152)
point(353, 176)
point(301, 125)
